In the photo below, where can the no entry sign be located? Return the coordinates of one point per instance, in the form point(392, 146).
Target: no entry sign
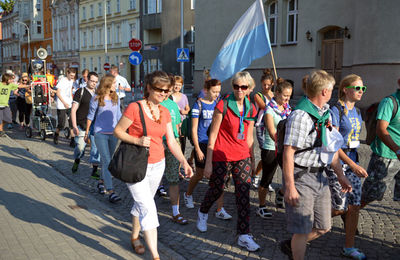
point(106, 66)
point(135, 44)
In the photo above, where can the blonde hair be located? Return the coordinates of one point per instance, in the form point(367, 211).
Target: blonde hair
point(246, 76)
point(104, 88)
point(317, 81)
point(346, 81)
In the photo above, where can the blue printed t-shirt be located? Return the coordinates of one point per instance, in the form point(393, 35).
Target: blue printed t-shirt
point(349, 128)
point(205, 118)
point(269, 143)
point(175, 114)
point(385, 111)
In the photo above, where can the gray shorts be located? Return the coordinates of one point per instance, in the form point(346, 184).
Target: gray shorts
point(381, 173)
point(5, 115)
point(314, 207)
point(341, 200)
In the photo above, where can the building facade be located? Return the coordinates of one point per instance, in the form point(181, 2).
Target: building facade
point(11, 41)
point(36, 14)
point(65, 34)
point(342, 37)
point(105, 28)
point(161, 30)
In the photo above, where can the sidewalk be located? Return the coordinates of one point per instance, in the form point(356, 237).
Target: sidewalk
point(379, 223)
point(45, 216)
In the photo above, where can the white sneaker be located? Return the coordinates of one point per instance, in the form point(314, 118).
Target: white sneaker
point(202, 221)
point(270, 188)
point(247, 241)
point(222, 214)
point(188, 201)
point(256, 181)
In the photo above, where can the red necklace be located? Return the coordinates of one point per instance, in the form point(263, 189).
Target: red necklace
point(152, 112)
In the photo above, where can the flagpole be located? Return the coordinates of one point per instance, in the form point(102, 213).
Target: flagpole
point(273, 64)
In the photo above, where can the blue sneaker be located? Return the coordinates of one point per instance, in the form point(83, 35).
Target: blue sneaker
point(353, 253)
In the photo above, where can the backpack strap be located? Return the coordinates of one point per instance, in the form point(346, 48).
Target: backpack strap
point(395, 106)
point(341, 112)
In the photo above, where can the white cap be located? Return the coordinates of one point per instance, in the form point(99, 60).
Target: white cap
point(9, 72)
point(334, 141)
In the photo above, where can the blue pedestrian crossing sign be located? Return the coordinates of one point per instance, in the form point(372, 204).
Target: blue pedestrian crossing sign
point(135, 58)
point(182, 54)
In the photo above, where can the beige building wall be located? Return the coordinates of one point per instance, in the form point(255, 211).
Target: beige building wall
point(122, 25)
point(371, 50)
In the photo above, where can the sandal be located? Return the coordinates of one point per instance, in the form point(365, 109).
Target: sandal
point(101, 188)
point(179, 219)
point(354, 253)
point(137, 246)
point(113, 198)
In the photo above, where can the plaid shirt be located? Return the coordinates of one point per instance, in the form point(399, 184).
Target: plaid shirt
point(298, 127)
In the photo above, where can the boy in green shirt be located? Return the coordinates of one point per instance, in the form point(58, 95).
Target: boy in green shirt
point(6, 86)
point(384, 165)
point(172, 164)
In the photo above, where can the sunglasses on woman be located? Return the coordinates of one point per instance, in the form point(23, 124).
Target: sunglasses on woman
point(166, 91)
point(358, 88)
point(243, 87)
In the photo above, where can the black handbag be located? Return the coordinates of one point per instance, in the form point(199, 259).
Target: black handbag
point(129, 162)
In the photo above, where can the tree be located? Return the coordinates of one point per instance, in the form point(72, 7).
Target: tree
point(7, 5)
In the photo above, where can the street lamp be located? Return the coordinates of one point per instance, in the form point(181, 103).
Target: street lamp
point(29, 40)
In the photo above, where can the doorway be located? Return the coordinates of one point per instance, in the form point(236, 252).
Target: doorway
point(332, 52)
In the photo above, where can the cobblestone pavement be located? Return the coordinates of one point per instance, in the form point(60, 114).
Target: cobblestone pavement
point(379, 223)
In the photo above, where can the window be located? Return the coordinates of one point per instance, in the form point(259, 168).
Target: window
point(100, 9)
point(132, 28)
point(91, 38)
point(84, 63)
point(48, 49)
point(153, 6)
point(91, 64)
point(108, 7)
point(132, 4)
point(38, 5)
point(109, 35)
point(116, 60)
point(39, 27)
point(272, 22)
point(91, 11)
point(118, 6)
point(192, 30)
point(292, 21)
point(84, 43)
point(118, 34)
point(84, 13)
point(23, 53)
point(100, 36)
point(98, 63)
point(192, 4)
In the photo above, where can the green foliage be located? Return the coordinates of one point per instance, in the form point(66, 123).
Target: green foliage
point(7, 5)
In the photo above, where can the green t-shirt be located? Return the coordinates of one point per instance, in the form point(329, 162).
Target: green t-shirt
point(385, 111)
point(174, 112)
point(269, 143)
point(5, 91)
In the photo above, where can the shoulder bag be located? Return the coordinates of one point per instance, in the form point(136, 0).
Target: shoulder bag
point(129, 162)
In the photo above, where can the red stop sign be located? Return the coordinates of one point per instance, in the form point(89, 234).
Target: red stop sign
point(106, 66)
point(135, 44)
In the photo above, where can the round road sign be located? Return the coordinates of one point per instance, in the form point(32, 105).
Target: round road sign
point(106, 66)
point(135, 44)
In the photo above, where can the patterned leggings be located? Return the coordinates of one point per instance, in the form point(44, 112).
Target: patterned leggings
point(241, 173)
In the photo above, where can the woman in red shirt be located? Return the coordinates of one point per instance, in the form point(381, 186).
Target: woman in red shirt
point(229, 152)
point(158, 124)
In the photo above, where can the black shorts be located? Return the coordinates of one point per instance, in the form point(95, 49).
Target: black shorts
point(203, 148)
point(269, 164)
point(62, 115)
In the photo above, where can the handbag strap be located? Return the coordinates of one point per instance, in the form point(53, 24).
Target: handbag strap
point(142, 119)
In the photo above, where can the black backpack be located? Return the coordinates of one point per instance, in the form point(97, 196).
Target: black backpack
point(280, 138)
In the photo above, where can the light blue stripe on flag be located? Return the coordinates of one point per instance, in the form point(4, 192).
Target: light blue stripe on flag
point(248, 40)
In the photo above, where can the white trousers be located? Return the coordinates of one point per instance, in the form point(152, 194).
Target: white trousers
point(143, 193)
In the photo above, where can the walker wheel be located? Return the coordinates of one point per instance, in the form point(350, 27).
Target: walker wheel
point(43, 134)
point(28, 132)
point(66, 132)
